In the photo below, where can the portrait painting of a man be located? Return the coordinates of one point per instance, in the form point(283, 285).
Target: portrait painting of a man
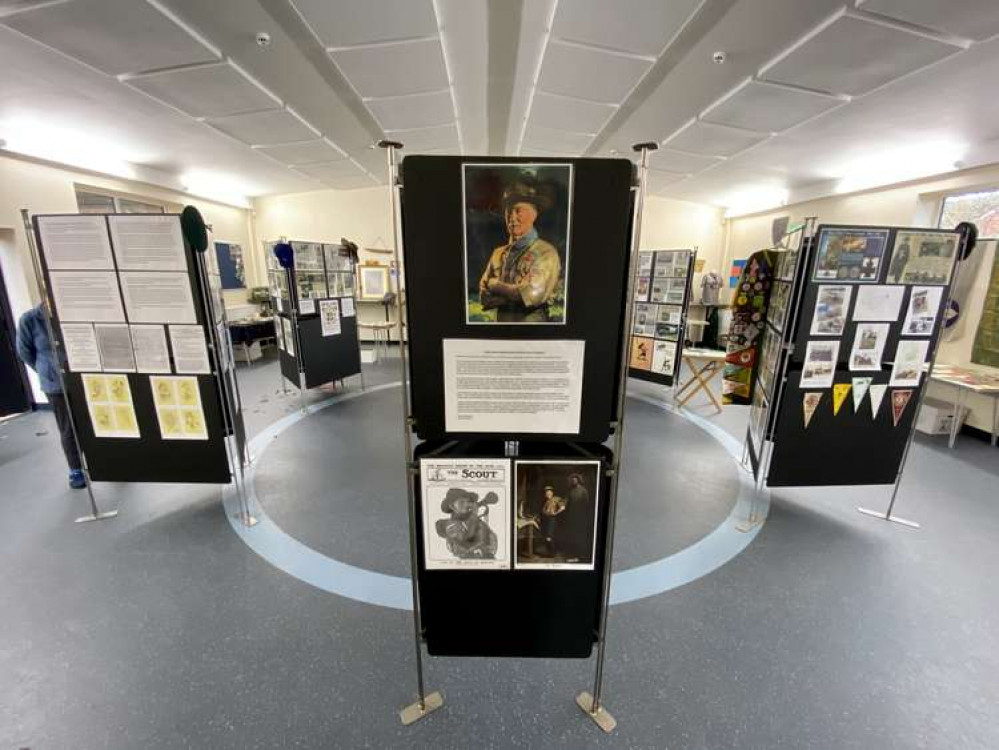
point(517, 242)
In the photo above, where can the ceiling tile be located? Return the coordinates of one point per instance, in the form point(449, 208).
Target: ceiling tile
point(348, 22)
point(114, 36)
point(552, 111)
point(351, 183)
point(411, 112)
point(668, 160)
point(209, 90)
point(303, 152)
point(331, 170)
point(644, 27)
point(714, 140)
point(589, 74)
point(394, 69)
point(971, 19)
point(853, 56)
point(659, 179)
point(768, 108)
point(264, 128)
point(423, 140)
point(556, 140)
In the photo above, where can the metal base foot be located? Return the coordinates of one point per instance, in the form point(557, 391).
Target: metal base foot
point(97, 517)
point(886, 517)
point(600, 717)
point(414, 712)
point(247, 519)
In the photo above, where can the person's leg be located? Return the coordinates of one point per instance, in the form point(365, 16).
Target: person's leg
point(69, 447)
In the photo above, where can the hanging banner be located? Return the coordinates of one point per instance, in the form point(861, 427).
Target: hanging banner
point(840, 391)
point(860, 386)
point(810, 402)
point(899, 400)
point(877, 396)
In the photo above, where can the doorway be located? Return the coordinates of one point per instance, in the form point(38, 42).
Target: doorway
point(15, 390)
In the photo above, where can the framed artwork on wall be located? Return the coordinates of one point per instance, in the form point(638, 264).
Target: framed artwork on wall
point(374, 282)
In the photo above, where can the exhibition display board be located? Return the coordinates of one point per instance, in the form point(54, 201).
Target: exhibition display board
point(133, 321)
point(865, 333)
point(315, 317)
point(659, 319)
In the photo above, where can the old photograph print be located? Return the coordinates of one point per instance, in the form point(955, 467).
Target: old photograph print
point(517, 242)
point(466, 513)
point(556, 512)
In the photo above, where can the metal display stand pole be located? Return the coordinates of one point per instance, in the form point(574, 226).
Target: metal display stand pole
point(425, 704)
point(96, 514)
point(590, 703)
point(887, 515)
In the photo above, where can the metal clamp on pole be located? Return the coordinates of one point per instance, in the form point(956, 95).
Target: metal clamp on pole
point(590, 703)
point(43, 295)
point(425, 704)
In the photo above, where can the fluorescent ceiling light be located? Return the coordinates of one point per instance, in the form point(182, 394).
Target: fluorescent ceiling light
point(888, 166)
point(218, 186)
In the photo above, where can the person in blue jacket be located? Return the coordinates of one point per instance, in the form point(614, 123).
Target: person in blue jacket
point(35, 350)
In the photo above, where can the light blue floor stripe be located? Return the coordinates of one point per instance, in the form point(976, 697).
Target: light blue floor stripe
point(288, 554)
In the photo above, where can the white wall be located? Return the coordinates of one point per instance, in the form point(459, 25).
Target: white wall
point(915, 203)
point(42, 188)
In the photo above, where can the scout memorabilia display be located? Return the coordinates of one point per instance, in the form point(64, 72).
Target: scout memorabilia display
point(830, 310)
point(868, 346)
point(178, 408)
point(860, 386)
point(329, 317)
point(641, 353)
point(466, 513)
point(923, 257)
point(899, 400)
point(909, 359)
point(877, 396)
point(749, 307)
point(850, 254)
point(809, 403)
point(659, 322)
point(840, 392)
point(518, 240)
point(556, 514)
point(924, 304)
point(663, 357)
point(820, 364)
point(109, 403)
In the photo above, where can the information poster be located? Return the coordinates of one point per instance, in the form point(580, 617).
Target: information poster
point(75, 243)
point(909, 359)
point(190, 354)
point(82, 354)
point(115, 345)
point(150, 345)
point(466, 513)
point(924, 304)
point(868, 346)
point(509, 386)
point(347, 307)
point(148, 243)
point(109, 403)
point(87, 296)
point(851, 255)
point(158, 297)
point(556, 505)
point(178, 408)
point(820, 364)
point(923, 257)
point(329, 317)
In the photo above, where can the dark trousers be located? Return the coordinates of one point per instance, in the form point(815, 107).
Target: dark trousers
point(61, 411)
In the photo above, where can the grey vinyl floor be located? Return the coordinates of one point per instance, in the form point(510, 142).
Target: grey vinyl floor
point(162, 629)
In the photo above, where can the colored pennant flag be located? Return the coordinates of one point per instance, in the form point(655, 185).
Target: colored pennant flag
point(810, 403)
point(877, 396)
point(840, 391)
point(899, 400)
point(860, 386)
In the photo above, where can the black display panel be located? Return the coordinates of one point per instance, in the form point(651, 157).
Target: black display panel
point(328, 358)
point(437, 281)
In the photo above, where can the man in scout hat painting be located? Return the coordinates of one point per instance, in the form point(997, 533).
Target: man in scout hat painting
point(521, 277)
point(467, 532)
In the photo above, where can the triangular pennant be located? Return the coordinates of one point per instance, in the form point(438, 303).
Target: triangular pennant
point(899, 400)
point(840, 391)
point(877, 396)
point(810, 403)
point(860, 386)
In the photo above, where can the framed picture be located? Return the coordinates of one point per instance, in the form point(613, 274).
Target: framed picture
point(232, 268)
point(374, 282)
point(517, 226)
point(848, 254)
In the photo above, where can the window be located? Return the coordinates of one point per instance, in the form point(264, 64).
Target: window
point(99, 203)
point(982, 209)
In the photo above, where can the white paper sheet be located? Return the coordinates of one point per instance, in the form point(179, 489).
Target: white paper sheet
point(329, 317)
point(513, 386)
point(150, 345)
point(924, 304)
point(115, 345)
point(152, 297)
point(347, 307)
point(289, 337)
point(831, 307)
point(878, 302)
point(75, 242)
point(909, 360)
point(190, 354)
point(306, 307)
point(820, 364)
point(87, 296)
point(148, 243)
point(82, 354)
point(868, 346)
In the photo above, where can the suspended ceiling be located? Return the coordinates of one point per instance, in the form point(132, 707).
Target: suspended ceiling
point(813, 96)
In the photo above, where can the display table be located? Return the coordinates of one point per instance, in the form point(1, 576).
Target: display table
point(705, 365)
point(245, 333)
point(967, 380)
